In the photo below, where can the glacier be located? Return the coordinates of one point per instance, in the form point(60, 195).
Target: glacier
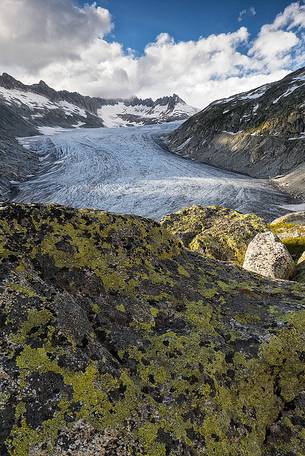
point(126, 170)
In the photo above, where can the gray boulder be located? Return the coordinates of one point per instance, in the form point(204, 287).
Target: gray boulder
point(268, 256)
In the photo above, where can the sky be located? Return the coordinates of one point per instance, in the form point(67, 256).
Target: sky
point(201, 50)
point(138, 22)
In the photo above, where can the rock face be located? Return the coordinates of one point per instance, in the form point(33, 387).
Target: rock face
point(260, 132)
point(116, 340)
point(267, 255)
point(293, 182)
point(17, 163)
point(217, 232)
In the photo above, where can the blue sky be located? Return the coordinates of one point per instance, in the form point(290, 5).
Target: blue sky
point(201, 50)
point(138, 22)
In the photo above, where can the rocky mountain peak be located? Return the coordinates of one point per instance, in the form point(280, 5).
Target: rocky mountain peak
point(7, 81)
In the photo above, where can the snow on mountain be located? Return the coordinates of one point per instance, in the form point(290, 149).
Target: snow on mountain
point(42, 106)
point(124, 114)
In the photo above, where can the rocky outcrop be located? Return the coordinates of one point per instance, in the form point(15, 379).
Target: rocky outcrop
point(116, 340)
point(267, 255)
point(291, 230)
point(216, 232)
point(260, 132)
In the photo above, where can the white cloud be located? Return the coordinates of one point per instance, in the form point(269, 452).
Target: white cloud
point(282, 43)
point(35, 33)
point(67, 47)
point(246, 12)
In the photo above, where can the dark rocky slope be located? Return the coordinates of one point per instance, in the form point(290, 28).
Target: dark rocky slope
point(260, 132)
point(16, 162)
point(115, 340)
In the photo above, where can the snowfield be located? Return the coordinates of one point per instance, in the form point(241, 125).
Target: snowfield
point(125, 170)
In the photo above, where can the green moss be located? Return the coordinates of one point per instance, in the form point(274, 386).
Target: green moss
point(121, 308)
point(26, 291)
point(148, 437)
point(35, 323)
point(95, 308)
point(292, 235)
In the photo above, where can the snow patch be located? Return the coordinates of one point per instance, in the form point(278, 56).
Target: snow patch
point(288, 92)
point(232, 133)
point(179, 148)
point(302, 136)
point(50, 131)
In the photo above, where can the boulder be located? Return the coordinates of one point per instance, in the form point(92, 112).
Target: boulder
point(267, 255)
point(116, 340)
point(217, 232)
point(291, 230)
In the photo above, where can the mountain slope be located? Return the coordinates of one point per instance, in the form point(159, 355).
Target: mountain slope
point(31, 110)
point(260, 132)
point(43, 106)
point(17, 163)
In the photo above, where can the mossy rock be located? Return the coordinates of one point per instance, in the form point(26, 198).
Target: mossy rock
point(291, 230)
point(217, 232)
point(300, 271)
point(116, 340)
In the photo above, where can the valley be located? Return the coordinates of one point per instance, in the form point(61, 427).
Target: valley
point(125, 170)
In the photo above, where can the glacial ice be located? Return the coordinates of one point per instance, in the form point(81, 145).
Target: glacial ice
point(126, 170)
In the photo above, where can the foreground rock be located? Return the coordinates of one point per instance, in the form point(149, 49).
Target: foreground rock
point(267, 255)
point(217, 232)
point(116, 340)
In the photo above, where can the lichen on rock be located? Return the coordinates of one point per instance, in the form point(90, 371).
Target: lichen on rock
point(117, 340)
point(300, 270)
point(291, 230)
point(217, 232)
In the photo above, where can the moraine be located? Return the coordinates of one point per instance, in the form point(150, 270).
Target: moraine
point(125, 170)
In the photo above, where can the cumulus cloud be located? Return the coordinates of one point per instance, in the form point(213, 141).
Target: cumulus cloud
point(35, 33)
point(67, 46)
point(279, 43)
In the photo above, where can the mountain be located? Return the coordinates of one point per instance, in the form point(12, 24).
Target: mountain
point(41, 106)
point(27, 110)
point(260, 133)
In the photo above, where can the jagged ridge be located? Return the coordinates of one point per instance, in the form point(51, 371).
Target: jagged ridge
point(67, 109)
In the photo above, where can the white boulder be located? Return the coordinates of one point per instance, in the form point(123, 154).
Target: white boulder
point(268, 256)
